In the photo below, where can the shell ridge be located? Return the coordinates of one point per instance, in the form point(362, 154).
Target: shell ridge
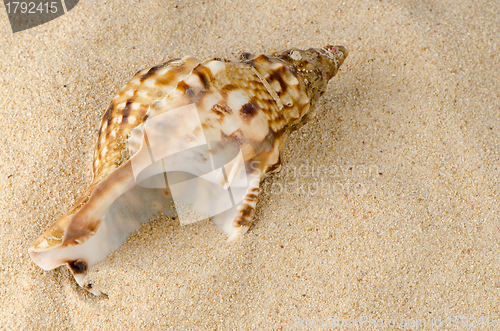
point(269, 88)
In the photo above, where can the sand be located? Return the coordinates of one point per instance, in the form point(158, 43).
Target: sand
point(386, 211)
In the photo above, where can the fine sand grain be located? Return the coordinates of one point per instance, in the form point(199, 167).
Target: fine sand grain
point(387, 206)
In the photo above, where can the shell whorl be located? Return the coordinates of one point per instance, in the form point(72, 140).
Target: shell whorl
point(128, 110)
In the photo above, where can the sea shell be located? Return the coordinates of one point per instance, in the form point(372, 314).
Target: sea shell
point(199, 136)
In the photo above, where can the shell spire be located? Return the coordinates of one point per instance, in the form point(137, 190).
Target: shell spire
point(195, 136)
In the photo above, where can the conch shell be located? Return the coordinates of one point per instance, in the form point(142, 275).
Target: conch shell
point(199, 135)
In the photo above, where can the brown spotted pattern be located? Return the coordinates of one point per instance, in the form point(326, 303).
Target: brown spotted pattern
point(129, 107)
point(255, 102)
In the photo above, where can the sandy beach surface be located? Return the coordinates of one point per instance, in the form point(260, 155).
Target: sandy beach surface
point(386, 214)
